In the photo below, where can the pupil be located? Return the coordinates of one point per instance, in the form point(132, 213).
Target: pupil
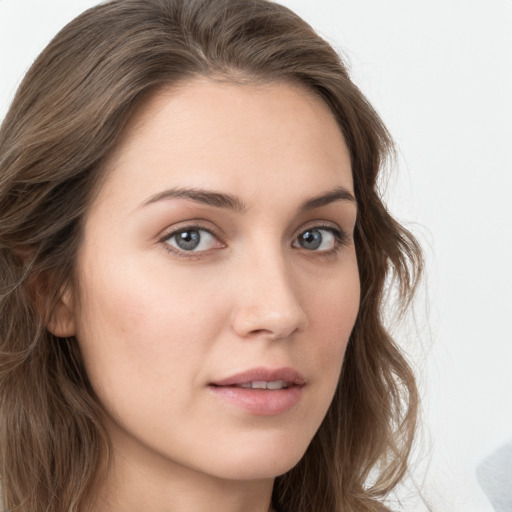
point(188, 240)
point(311, 239)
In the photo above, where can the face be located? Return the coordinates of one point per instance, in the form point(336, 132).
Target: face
point(218, 278)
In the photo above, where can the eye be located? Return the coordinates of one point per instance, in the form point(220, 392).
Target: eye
point(191, 239)
point(319, 239)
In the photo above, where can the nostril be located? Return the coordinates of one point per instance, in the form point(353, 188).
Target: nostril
point(251, 323)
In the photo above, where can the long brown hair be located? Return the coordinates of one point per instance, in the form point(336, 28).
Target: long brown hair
point(66, 118)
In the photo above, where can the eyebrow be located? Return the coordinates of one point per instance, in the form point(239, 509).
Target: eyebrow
point(231, 202)
point(216, 199)
point(337, 194)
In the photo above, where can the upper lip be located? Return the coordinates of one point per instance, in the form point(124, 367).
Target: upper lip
point(288, 375)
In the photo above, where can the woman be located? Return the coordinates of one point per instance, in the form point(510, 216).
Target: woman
point(177, 333)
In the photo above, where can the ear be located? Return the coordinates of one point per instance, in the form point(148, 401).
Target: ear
point(62, 319)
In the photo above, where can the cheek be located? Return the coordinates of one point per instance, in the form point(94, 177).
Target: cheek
point(138, 325)
point(333, 311)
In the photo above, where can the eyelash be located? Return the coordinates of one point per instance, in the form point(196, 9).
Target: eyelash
point(180, 252)
point(340, 237)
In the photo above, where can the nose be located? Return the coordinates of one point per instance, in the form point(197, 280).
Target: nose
point(268, 301)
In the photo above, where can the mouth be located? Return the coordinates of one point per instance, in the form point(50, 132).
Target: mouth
point(263, 378)
point(261, 391)
point(262, 384)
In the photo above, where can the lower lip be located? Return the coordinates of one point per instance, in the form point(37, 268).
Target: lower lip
point(264, 402)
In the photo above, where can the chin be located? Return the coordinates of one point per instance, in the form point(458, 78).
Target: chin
point(258, 462)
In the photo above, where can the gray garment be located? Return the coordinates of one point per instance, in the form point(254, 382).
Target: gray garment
point(494, 475)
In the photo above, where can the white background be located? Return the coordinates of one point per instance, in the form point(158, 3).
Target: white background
point(440, 74)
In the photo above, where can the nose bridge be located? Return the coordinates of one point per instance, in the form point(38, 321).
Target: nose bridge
point(268, 299)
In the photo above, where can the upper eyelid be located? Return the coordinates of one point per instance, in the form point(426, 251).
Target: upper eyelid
point(322, 224)
point(193, 224)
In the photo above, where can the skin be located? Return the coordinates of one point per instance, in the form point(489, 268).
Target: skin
point(157, 324)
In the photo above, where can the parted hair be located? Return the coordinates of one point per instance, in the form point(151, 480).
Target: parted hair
point(65, 120)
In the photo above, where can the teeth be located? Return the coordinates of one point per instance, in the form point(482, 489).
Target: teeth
point(262, 384)
point(278, 384)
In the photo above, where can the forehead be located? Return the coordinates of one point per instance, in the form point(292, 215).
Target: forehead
point(225, 135)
